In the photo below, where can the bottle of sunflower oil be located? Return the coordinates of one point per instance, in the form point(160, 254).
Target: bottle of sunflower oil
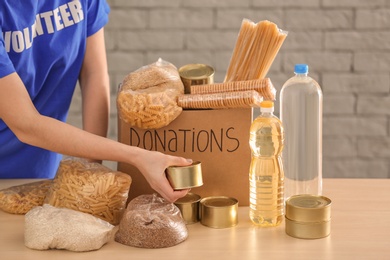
point(266, 177)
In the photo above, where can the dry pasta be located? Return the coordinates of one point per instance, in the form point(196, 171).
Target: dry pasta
point(256, 48)
point(263, 86)
point(22, 198)
point(147, 98)
point(90, 188)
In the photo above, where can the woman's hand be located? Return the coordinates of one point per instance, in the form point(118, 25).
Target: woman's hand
point(153, 165)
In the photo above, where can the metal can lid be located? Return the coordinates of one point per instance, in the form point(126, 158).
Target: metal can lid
point(309, 201)
point(219, 201)
point(194, 164)
point(188, 198)
point(196, 71)
point(308, 208)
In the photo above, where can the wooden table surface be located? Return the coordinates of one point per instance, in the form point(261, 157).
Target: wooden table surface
point(360, 229)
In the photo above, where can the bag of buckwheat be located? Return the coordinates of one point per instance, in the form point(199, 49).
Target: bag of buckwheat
point(48, 227)
point(151, 222)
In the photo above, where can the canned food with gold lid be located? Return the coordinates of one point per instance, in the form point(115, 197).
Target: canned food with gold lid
point(219, 212)
point(308, 216)
point(307, 230)
point(196, 74)
point(185, 177)
point(189, 207)
point(308, 208)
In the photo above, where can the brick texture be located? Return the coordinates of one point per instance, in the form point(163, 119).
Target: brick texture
point(319, 19)
point(373, 18)
point(346, 44)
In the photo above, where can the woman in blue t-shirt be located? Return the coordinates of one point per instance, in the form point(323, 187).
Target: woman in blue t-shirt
point(45, 48)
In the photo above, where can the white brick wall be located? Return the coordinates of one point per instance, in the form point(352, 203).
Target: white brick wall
point(345, 42)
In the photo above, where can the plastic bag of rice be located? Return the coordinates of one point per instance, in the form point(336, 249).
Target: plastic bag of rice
point(48, 227)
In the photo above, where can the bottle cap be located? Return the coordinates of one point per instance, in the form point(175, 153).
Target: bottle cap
point(301, 68)
point(267, 106)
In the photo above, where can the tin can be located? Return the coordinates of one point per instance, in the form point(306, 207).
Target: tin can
point(185, 177)
point(308, 216)
point(307, 230)
point(196, 74)
point(189, 207)
point(219, 212)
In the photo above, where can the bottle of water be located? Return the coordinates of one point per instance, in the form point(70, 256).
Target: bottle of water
point(301, 115)
point(266, 171)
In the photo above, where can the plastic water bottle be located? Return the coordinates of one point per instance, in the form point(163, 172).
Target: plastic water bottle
point(301, 115)
point(266, 171)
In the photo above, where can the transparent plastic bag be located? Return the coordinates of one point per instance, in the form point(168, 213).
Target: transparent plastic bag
point(151, 222)
point(147, 97)
point(263, 86)
point(237, 99)
point(152, 75)
point(90, 188)
point(48, 227)
point(255, 50)
point(21, 198)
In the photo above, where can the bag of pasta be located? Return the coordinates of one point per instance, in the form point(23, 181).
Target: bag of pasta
point(151, 222)
point(48, 227)
point(21, 198)
point(147, 97)
point(90, 188)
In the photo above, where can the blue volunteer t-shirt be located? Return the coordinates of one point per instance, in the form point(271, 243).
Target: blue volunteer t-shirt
point(44, 42)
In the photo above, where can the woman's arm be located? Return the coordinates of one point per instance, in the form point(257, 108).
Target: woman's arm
point(95, 88)
point(19, 113)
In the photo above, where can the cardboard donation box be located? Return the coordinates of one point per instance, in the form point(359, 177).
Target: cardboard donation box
point(219, 139)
